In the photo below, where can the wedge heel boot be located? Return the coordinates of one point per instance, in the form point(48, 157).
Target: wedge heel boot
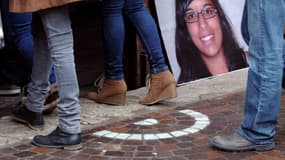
point(162, 86)
point(112, 92)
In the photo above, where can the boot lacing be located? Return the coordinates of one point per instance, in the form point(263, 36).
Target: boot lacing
point(98, 83)
point(148, 81)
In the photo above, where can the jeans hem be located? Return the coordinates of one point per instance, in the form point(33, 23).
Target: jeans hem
point(259, 142)
point(154, 71)
point(115, 77)
point(73, 130)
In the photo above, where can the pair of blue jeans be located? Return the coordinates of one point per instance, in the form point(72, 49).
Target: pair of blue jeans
point(264, 24)
point(114, 35)
point(18, 32)
point(55, 48)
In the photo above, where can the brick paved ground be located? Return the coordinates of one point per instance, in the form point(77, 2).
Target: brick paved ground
point(174, 134)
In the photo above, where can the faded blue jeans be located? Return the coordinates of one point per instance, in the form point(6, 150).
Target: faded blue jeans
point(265, 22)
point(18, 30)
point(114, 35)
point(55, 48)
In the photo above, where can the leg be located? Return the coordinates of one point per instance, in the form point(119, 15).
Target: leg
point(59, 42)
point(30, 112)
point(57, 27)
point(114, 87)
point(264, 78)
point(20, 35)
point(11, 73)
point(19, 28)
point(263, 92)
point(19, 32)
point(148, 32)
point(58, 31)
point(114, 35)
point(162, 82)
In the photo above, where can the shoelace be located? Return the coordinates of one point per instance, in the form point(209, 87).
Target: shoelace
point(98, 83)
point(147, 81)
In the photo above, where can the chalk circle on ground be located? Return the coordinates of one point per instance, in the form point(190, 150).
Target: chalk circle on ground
point(201, 122)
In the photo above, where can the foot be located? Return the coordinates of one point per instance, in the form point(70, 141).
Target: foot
point(32, 119)
point(59, 139)
point(235, 142)
point(161, 86)
point(113, 92)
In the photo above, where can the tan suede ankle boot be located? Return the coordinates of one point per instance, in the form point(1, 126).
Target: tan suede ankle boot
point(112, 92)
point(162, 86)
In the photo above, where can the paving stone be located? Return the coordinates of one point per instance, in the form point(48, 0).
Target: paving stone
point(165, 147)
point(185, 145)
point(80, 157)
point(145, 154)
point(115, 153)
point(180, 152)
point(39, 157)
point(7, 157)
point(56, 158)
point(145, 148)
point(7, 151)
point(23, 147)
point(42, 150)
point(132, 142)
point(62, 154)
point(213, 155)
point(164, 154)
point(24, 154)
point(129, 154)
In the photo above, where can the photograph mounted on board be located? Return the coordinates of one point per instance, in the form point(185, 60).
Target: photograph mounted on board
point(202, 37)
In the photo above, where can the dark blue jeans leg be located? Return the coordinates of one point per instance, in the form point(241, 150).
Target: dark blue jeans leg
point(114, 35)
point(19, 32)
point(147, 29)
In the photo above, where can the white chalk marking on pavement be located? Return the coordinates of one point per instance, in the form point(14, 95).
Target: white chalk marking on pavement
point(147, 122)
point(201, 122)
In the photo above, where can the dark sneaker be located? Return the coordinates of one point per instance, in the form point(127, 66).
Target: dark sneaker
point(52, 100)
point(9, 89)
point(235, 142)
point(59, 139)
point(34, 120)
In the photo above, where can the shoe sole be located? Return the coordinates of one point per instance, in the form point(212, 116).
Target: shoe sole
point(265, 147)
point(10, 92)
point(36, 128)
point(168, 93)
point(65, 147)
point(119, 99)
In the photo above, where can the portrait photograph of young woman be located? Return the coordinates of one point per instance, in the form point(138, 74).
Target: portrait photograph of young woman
point(203, 38)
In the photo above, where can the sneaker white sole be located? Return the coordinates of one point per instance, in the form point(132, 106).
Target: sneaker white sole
point(10, 92)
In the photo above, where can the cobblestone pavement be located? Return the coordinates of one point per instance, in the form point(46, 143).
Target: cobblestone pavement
point(179, 133)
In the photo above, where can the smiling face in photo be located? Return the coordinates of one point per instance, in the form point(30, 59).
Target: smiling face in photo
point(205, 32)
